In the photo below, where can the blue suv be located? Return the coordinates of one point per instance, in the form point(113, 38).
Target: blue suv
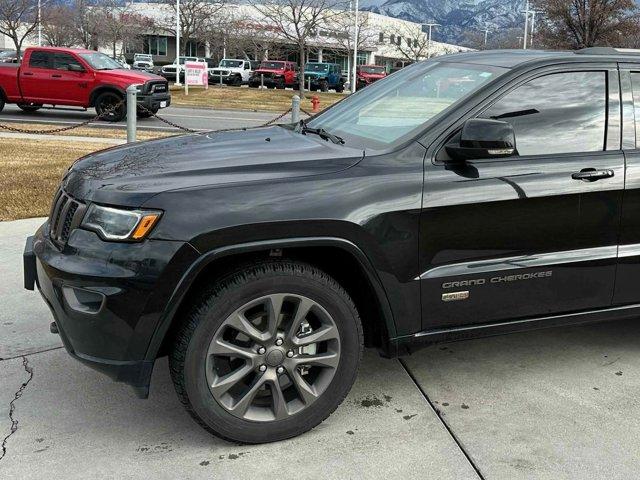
point(323, 76)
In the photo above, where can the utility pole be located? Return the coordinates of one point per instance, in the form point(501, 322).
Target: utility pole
point(355, 48)
point(39, 23)
point(431, 26)
point(526, 26)
point(486, 36)
point(533, 25)
point(178, 42)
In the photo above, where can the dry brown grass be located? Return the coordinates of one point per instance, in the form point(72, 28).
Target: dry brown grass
point(30, 171)
point(240, 98)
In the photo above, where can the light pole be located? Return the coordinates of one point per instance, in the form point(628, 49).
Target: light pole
point(486, 37)
point(355, 48)
point(39, 23)
point(533, 26)
point(178, 42)
point(526, 25)
point(430, 25)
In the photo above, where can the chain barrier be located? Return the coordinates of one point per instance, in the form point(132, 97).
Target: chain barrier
point(63, 129)
point(144, 109)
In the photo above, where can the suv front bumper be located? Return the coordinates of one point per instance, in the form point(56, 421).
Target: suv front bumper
point(107, 297)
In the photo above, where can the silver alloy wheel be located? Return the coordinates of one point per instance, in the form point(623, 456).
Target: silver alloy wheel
point(301, 352)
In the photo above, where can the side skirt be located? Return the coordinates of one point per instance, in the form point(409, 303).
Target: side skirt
point(411, 343)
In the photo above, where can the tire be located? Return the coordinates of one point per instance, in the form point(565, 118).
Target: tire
point(25, 107)
point(280, 84)
point(340, 87)
point(324, 86)
point(1, 102)
point(212, 322)
point(237, 81)
point(105, 101)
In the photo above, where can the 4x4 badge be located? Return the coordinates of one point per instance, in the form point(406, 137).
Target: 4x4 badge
point(455, 296)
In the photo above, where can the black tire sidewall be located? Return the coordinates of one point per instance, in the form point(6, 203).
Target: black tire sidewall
point(223, 422)
point(118, 117)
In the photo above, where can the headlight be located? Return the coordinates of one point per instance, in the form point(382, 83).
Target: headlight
point(117, 224)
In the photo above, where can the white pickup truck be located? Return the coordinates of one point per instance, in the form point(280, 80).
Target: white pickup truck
point(233, 71)
point(143, 61)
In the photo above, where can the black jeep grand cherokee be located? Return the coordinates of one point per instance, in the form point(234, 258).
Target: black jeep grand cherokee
point(471, 195)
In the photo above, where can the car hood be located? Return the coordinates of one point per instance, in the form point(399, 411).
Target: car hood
point(267, 70)
point(132, 174)
point(314, 74)
point(372, 76)
point(133, 76)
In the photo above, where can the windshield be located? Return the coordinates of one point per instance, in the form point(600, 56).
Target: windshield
point(377, 70)
point(399, 105)
point(231, 63)
point(316, 67)
point(181, 60)
point(139, 56)
point(272, 65)
point(100, 61)
point(8, 53)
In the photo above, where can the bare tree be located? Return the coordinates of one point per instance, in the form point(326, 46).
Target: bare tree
point(120, 25)
point(196, 19)
point(87, 22)
point(343, 34)
point(58, 26)
point(411, 42)
point(296, 21)
point(586, 23)
point(18, 19)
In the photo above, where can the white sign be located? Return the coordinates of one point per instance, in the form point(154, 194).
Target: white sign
point(196, 74)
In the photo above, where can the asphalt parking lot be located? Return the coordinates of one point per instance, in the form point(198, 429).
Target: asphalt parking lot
point(553, 404)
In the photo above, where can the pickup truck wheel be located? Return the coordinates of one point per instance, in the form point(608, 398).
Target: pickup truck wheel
point(1, 102)
point(267, 353)
point(26, 107)
point(146, 113)
point(106, 102)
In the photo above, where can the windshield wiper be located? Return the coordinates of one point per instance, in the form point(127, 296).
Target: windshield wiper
point(321, 132)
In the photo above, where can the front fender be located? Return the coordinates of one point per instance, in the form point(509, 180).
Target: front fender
point(193, 271)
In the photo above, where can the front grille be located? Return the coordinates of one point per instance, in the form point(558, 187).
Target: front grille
point(159, 87)
point(66, 214)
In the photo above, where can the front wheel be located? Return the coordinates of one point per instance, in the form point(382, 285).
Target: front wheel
point(110, 107)
point(324, 86)
point(267, 353)
point(1, 103)
point(29, 107)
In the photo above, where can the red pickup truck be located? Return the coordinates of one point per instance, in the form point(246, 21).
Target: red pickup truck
point(79, 78)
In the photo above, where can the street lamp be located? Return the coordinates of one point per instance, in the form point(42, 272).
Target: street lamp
point(430, 25)
point(355, 49)
point(178, 42)
point(39, 23)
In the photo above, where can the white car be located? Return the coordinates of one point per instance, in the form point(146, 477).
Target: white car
point(143, 61)
point(169, 71)
point(232, 71)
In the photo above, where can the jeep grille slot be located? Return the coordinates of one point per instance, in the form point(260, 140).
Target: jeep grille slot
point(66, 215)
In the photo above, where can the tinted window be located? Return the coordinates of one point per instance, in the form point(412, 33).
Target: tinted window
point(61, 61)
point(557, 113)
point(39, 59)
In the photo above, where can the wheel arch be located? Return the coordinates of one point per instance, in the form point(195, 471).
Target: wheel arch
point(102, 89)
point(343, 260)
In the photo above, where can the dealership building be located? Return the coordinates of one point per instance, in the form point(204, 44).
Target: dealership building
point(386, 41)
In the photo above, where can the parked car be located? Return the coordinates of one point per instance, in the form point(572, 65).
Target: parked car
point(367, 74)
point(9, 56)
point(143, 61)
point(233, 71)
point(169, 71)
point(275, 74)
point(79, 78)
point(323, 76)
point(122, 61)
point(470, 195)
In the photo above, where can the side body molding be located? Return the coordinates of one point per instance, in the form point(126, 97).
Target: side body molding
point(192, 273)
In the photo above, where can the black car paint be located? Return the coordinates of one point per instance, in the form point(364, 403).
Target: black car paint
point(401, 214)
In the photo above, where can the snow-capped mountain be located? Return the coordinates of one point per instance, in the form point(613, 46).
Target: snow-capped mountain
point(455, 16)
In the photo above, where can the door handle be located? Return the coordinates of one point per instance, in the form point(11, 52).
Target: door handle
point(56, 75)
point(27, 74)
point(592, 174)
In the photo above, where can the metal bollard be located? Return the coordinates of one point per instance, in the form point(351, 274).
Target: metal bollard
point(309, 82)
point(132, 104)
point(220, 78)
point(295, 109)
point(262, 80)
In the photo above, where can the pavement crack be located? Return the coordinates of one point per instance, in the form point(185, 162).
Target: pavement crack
point(444, 423)
point(12, 405)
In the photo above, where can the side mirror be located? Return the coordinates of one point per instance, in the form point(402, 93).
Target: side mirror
point(74, 67)
point(483, 138)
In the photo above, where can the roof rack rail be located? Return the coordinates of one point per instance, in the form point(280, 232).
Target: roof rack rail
point(607, 51)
